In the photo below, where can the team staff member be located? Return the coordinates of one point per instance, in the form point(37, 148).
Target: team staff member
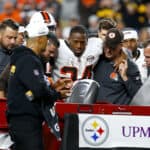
point(50, 54)
point(27, 89)
point(143, 95)
point(130, 47)
point(48, 59)
point(5, 73)
point(118, 86)
point(8, 35)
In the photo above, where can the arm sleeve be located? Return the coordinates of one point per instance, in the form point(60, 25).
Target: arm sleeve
point(134, 79)
point(4, 79)
point(31, 75)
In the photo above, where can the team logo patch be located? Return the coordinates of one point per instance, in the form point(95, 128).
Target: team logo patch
point(114, 76)
point(112, 35)
point(95, 130)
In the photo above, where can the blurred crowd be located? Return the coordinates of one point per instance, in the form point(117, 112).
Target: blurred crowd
point(127, 13)
point(68, 13)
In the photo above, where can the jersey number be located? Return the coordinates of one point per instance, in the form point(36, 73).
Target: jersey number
point(73, 71)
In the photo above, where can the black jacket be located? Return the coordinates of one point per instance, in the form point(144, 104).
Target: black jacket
point(27, 86)
point(112, 88)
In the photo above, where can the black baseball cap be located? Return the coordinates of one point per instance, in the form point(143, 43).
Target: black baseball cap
point(113, 37)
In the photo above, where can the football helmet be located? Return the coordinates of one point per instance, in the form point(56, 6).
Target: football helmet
point(44, 17)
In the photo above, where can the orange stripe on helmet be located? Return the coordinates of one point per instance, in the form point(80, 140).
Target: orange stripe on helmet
point(45, 17)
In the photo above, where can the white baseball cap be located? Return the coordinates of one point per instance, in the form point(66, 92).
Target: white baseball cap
point(37, 30)
point(44, 17)
point(130, 34)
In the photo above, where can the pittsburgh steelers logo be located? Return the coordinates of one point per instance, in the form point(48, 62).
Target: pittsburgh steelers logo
point(95, 130)
point(112, 35)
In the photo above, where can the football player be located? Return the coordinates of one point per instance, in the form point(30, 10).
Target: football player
point(77, 55)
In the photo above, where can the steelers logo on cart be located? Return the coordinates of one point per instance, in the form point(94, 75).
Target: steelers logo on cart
point(95, 130)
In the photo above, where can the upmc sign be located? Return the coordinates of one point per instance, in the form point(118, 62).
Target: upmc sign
point(108, 131)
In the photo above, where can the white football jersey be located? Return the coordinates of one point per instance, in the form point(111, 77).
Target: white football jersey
point(68, 65)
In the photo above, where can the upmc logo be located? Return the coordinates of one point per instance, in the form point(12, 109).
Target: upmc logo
point(95, 130)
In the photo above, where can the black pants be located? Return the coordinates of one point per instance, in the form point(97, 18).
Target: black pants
point(26, 132)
